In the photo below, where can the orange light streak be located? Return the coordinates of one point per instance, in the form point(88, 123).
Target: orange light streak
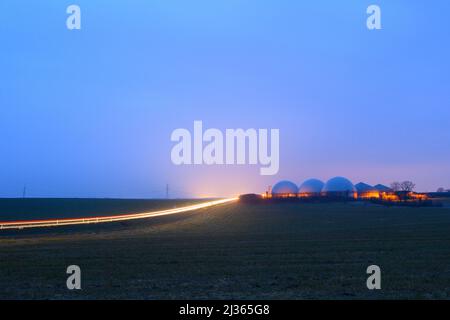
point(122, 217)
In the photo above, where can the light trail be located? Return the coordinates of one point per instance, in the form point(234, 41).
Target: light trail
point(76, 221)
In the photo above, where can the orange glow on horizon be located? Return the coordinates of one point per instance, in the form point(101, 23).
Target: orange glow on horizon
point(369, 195)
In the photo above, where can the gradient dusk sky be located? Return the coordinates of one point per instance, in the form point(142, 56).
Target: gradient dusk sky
point(89, 113)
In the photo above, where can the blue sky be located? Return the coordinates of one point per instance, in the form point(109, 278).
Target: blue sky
point(89, 113)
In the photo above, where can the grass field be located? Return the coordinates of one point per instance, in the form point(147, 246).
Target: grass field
point(41, 208)
point(239, 251)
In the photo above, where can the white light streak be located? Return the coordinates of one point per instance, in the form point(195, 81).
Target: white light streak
point(122, 217)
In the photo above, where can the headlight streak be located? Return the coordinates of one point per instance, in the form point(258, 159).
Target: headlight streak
point(123, 217)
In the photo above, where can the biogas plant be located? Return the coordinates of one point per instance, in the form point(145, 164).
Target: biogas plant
point(336, 189)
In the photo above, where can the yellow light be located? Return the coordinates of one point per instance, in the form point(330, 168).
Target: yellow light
point(369, 195)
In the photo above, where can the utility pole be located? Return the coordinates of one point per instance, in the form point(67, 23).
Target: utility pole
point(167, 191)
point(24, 192)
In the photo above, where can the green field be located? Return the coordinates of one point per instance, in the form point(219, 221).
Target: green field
point(239, 251)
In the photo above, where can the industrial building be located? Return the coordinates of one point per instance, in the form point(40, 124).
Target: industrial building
point(339, 188)
point(311, 188)
point(284, 189)
point(366, 191)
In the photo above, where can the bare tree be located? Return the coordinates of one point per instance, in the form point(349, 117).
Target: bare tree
point(396, 186)
point(440, 190)
point(407, 186)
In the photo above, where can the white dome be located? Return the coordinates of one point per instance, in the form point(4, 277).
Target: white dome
point(339, 184)
point(284, 187)
point(311, 186)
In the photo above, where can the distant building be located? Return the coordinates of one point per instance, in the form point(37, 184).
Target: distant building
point(310, 188)
point(410, 195)
point(335, 188)
point(366, 191)
point(382, 188)
point(250, 198)
point(339, 187)
point(284, 189)
point(363, 187)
